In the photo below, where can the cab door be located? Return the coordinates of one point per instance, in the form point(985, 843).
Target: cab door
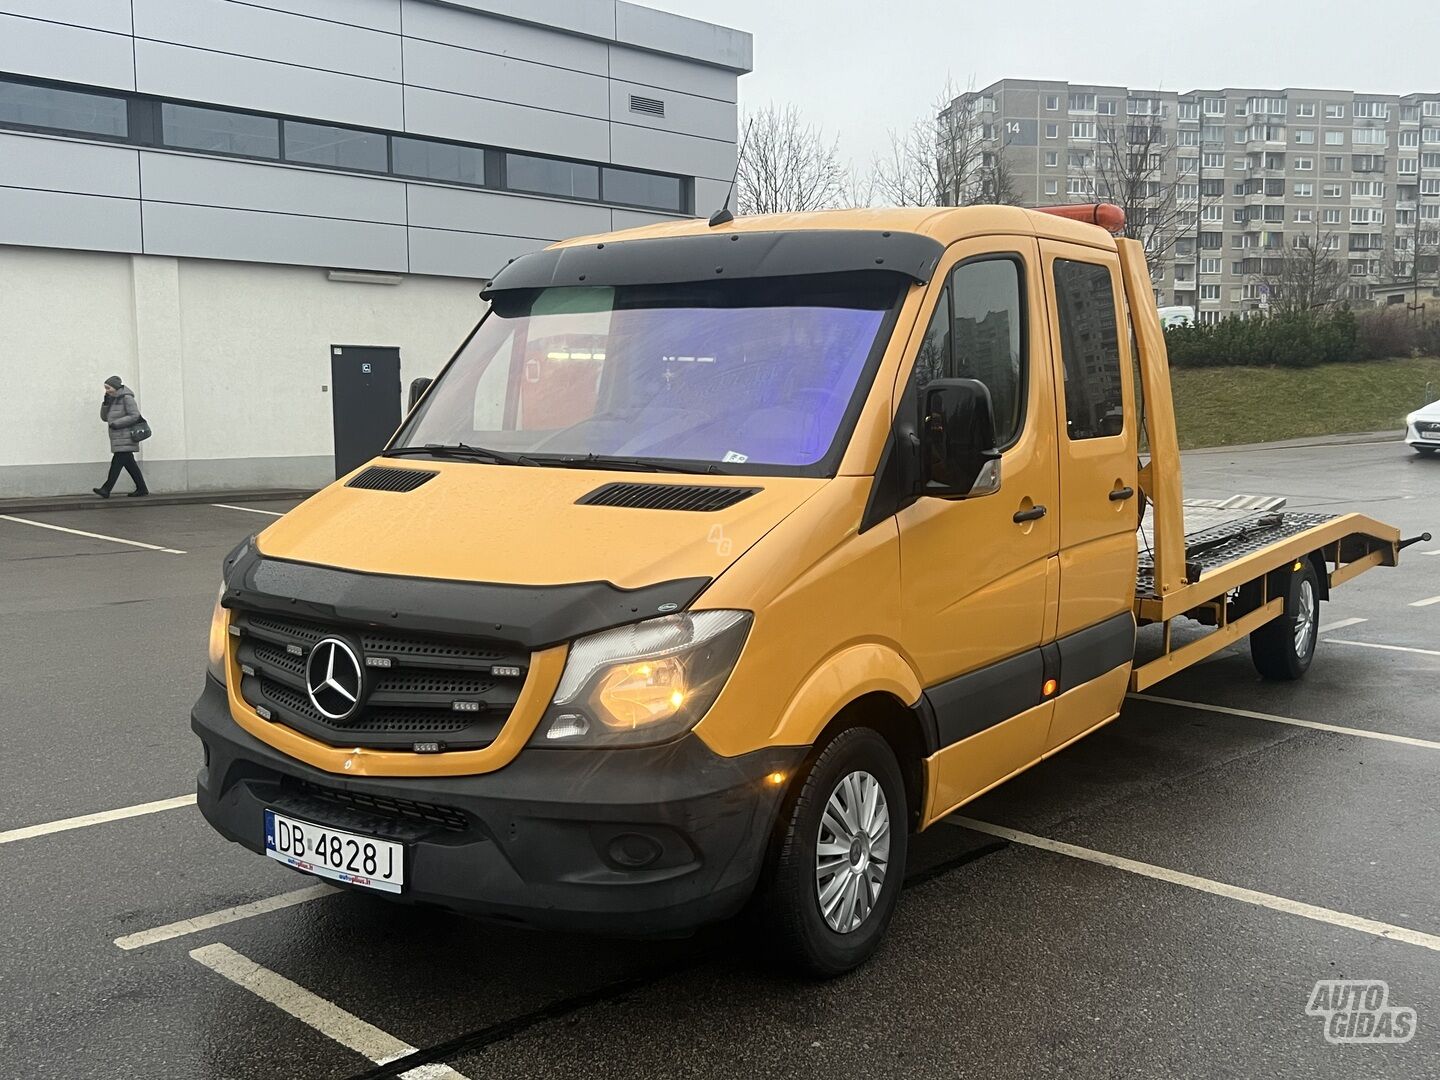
point(975, 573)
point(1097, 443)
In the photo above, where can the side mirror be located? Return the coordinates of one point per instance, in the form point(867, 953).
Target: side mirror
point(417, 389)
point(958, 457)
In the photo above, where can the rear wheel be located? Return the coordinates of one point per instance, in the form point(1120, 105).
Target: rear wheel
point(1284, 647)
point(840, 856)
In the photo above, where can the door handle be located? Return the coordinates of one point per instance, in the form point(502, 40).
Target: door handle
point(1035, 513)
point(1121, 494)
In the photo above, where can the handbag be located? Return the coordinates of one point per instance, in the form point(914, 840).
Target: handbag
point(140, 430)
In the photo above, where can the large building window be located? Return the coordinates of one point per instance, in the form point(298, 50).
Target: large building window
point(24, 105)
point(437, 161)
point(219, 131)
point(642, 189)
point(144, 121)
point(341, 148)
point(547, 176)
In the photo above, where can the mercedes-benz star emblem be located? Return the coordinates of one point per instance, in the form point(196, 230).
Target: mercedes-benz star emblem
point(333, 678)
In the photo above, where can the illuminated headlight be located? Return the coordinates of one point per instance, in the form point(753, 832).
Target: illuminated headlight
point(643, 683)
point(219, 638)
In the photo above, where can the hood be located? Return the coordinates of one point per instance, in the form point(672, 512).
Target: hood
point(524, 525)
point(1426, 412)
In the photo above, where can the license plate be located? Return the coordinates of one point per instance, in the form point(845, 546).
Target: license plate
point(1430, 435)
point(334, 853)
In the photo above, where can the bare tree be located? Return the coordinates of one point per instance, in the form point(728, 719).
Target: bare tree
point(1307, 275)
point(997, 178)
point(939, 160)
point(1133, 166)
point(788, 165)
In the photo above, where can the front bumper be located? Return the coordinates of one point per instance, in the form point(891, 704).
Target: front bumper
point(646, 840)
point(1415, 434)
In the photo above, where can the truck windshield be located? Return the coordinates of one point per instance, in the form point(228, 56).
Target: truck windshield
point(742, 376)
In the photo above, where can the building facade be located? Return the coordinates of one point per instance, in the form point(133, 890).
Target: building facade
point(209, 197)
point(1238, 176)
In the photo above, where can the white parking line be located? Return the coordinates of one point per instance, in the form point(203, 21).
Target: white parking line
point(1326, 627)
point(249, 509)
point(1426, 602)
point(1390, 648)
point(1382, 736)
point(65, 824)
point(92, 536)
point(1342, 919)
point(325, 1017)
point(228, 915)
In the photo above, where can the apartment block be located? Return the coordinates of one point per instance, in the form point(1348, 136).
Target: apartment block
point(1241, 174)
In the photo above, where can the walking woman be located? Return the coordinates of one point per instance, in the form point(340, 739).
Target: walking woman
point(121, 414)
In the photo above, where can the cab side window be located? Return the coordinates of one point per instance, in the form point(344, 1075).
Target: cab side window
point(1090, 348)
point(977, 332)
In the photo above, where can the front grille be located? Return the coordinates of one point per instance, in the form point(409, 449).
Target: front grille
point(384, 805)
point(457, 692)
point(1427, 425)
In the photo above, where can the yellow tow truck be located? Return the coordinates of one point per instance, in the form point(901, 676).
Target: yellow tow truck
point(721, 558)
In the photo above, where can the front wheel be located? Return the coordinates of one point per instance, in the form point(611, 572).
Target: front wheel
point(1284, 647)
point(839, 859)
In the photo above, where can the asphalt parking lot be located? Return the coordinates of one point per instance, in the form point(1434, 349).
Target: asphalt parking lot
point(1158, 900)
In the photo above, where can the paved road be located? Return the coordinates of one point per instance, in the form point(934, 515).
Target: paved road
point(1125, 948)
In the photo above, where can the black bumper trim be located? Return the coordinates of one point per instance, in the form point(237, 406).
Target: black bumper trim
point(646, 840)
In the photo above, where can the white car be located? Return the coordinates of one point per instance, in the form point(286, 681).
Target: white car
point(1422, 429)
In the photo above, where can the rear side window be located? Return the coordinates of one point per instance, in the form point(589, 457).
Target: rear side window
point(1090, 348)
point(977, 332)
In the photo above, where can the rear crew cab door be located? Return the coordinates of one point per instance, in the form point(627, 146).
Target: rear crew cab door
point(974, 581)
point(1096, 435)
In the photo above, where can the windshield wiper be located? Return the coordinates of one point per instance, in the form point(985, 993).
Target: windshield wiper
point(626, 464)
point(462, 450)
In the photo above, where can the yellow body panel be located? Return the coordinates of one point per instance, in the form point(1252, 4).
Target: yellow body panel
point(971, 767)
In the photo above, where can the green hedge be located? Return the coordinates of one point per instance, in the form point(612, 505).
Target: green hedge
point(1303, 339)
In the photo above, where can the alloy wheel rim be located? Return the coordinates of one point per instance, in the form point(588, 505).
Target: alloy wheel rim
point(1305, 618)
point(852, 851)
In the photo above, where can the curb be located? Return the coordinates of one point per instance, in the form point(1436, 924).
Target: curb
point(1349, 439)
point(173, 498)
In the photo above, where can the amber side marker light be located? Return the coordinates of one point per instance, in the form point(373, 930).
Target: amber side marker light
point(1108, 216)
point(775, 779)
point(1049, 688)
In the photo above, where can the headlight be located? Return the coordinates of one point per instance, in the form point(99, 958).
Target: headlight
point(643, 683)
point(219, 639)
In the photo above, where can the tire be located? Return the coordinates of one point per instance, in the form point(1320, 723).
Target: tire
point(1283, 648)
point(857, 762)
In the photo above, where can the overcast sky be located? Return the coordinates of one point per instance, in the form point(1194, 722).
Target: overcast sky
point(861, 68)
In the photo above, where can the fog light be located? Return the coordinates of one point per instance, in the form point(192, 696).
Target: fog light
point(633, 851)
point(568, 726)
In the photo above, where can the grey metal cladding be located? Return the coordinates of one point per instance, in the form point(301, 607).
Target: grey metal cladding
point(55, 219)
point(50, 50)
point(266, 34)
point(470, 30)
point(667, 72)
point(206, 232)
point(60, 165)
point(484, 75)
point(450, 116)
point(239, 185)
point(671, 151)
point(111, 15)
point(177, 71)
point(683, 113)
point(467, 210)
point(464, 254)
point(663, 31)
point(373, 14)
